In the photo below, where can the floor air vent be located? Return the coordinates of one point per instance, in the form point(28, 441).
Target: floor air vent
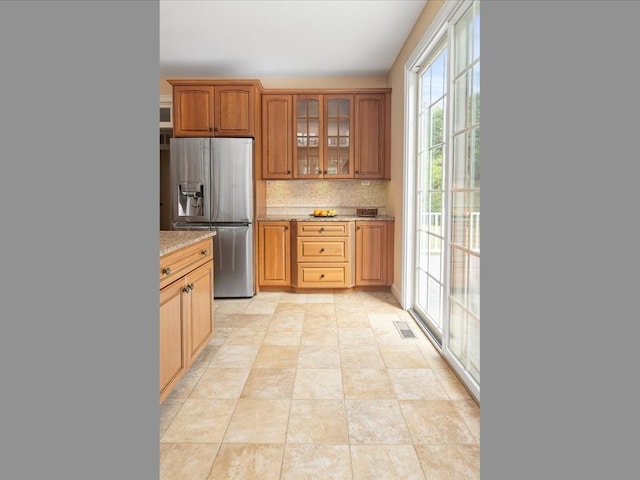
point(405, 331)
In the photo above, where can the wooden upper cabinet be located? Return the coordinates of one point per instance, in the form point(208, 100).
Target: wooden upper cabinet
point(338, 122)
point(193, 111)
point(277, 136)
point(201, 110)
point(372, 136)
point(309, 138)
point(233, 111)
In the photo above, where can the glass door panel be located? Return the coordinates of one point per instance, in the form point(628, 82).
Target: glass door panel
point(308, 133)
point(338, 126)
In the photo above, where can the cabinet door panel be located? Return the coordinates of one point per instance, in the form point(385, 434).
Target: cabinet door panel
point(372, 250)
point(370, 148)
point(277, 134)
point(173, 359)
point(233, 111)
point(200, 300)
point(274, 254)
point(193, 111)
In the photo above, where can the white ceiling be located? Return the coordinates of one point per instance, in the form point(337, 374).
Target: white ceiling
point(280, 38)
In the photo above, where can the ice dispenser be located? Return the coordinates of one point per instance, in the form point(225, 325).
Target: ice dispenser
point(190, 199)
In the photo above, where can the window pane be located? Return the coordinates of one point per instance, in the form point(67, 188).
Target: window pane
point(461, 102)
point(459, 275)
point(438, 76)
point(434, 301)
point(475, 101)
point(459, 161)
point(474, 284)
point(436, 169)
point(437, 125)
point(474, 160)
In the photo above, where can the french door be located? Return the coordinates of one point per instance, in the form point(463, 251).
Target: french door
point(445, 277)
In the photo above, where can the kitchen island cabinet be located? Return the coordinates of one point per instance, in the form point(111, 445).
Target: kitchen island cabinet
point(186, 303)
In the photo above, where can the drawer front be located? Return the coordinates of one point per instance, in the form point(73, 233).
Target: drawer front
point(323, 249)
point(329, 229)
point(319, 276)
point(180, 262)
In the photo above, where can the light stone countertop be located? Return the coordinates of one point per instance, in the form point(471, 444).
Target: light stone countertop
point(174, 240)
point(311, 218)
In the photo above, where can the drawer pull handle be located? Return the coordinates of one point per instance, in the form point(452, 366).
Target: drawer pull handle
point(166, 271)
point(205, 253)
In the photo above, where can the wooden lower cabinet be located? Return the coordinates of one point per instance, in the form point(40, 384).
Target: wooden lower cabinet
point(374, 253)
point(317, 255)
point(274, 254)
point(186, 318)
point(323, 254)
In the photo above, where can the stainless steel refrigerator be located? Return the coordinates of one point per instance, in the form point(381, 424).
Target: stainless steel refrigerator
point(212, 189)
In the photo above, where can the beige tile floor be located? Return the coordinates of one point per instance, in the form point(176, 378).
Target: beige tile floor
point(318, 386)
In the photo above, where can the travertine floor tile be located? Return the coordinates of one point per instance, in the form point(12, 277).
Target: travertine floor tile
point(416, 384)
point(258, 420)
point(356, 336)
point(247, 462)
point(317, 421)
point(385, 462)
point(277, 356)
point(318, 383)
point(367, 383)
point(445, 462)
point(319, 356)
point(187, 383)
point(174, 467)
point(220, 383)
point(200, 421)
point(451, 384)
point(306, 462)
point(269, 383)
point(318, 386)
point(245, 336)
point(471, 415)
point(435, 422)
point(360, 356)
point(376, 422)
point(258, 306)
point(234, 356)
point(402, 356)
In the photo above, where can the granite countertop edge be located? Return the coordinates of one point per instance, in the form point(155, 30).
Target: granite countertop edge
point(171, 240)
point(311, 218)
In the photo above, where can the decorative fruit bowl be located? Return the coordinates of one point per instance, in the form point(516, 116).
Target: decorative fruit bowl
point(318, 212)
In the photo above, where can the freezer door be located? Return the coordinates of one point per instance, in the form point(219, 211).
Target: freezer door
point(233, 261)
point(231, 180)
point(189, 171)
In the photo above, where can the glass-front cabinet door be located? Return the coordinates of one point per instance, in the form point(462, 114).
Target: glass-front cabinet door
point(308, 151)
point(338, 158)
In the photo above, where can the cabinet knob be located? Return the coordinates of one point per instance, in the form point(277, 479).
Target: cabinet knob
point(191, 287)
point(357, 171)
point(205, 253)
point(166, 271)
point(321, 250)
point(288, 172)
point(322, 275)
point(322, 229)
point(186, 289)
point(325, 172)
point(286, 228)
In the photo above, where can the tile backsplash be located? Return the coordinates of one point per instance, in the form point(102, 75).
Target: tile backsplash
point(299, 197)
